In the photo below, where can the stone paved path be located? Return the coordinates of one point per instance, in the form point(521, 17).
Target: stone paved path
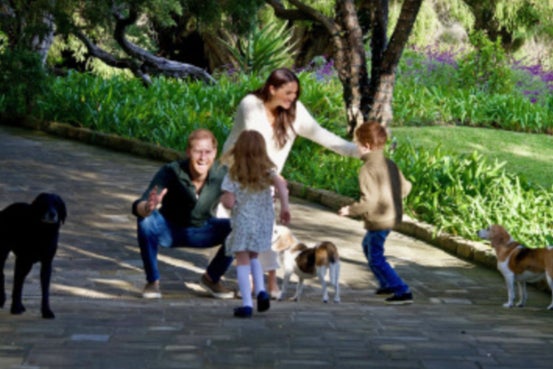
point(456, 322)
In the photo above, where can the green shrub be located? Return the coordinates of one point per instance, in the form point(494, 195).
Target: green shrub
point(457, 194)
point(22, 81)
point(461, 194)
point(486, 68)
point(263, 49)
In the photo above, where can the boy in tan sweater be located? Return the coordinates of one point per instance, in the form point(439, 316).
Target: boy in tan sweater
point(382, 187)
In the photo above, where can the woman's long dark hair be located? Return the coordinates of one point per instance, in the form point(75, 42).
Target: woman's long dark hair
point(284, 117)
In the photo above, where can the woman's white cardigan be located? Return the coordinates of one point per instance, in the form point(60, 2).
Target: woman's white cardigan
point(251, 115)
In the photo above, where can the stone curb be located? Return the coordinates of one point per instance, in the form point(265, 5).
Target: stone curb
point(89, 136)
point(471, 251)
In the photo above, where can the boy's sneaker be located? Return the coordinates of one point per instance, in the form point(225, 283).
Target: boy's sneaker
point(402, 299)
point(151, 291)
point(217, 290)
point(384, 291)
point(263, 301)
point(243, 312)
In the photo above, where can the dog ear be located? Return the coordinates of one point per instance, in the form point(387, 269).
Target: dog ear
point(62, 210)
point(500, 234)
point(284, 239)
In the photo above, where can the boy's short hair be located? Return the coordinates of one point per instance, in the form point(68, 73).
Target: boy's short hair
point(201, 134)
point(371, 134)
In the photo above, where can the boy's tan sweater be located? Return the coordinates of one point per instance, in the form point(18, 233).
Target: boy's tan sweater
point(382, 187)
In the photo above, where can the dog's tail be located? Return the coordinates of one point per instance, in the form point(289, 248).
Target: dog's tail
point(326, 253)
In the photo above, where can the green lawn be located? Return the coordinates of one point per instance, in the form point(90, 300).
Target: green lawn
point(527, 155)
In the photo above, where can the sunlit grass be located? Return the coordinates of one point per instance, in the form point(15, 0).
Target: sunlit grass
point(529, 156)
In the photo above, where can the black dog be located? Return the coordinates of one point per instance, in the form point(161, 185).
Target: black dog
point(31, 232)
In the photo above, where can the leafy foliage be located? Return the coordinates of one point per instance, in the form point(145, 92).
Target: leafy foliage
point(263, 49)
point(433, 88)
point(461, 194)
point(486, 68)
point(18, 90)
point(524, 17)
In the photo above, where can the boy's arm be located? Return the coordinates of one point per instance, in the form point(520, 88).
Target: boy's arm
point(356, 209)
point(365, 203)
point(406, 186)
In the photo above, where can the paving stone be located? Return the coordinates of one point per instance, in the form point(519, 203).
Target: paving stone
point(455, 322)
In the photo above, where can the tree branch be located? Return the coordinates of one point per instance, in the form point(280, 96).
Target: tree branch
point(151, 63)
point(288, 14)
point(111, 60)
point(303, 12)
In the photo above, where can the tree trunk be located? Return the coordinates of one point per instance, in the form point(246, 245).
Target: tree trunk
point(364, 98)
point(141, 62)
point(350, 62)
point(378, 18)
point(42, 43)
point(484, 19)
point(381, 107)
point(386, 56)
point(30, 29)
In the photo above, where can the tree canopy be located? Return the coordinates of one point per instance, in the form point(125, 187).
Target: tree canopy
point(165, 37)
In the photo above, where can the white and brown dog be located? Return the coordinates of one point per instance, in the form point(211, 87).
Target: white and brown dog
point(518, 263)
point(307, 262)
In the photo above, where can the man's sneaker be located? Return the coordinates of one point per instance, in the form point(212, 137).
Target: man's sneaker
point(384, 291)
point(402, 299)
point(217, 290)
point(151, 291)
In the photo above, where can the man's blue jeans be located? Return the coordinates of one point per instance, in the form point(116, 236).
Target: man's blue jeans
point(373, 247)
point(154, 231)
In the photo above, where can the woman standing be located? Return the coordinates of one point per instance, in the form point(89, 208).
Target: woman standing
point(274, 110)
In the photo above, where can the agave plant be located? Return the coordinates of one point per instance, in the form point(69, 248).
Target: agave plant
point(262, 49)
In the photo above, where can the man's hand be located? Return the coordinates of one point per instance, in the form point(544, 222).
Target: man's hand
point(154, 199)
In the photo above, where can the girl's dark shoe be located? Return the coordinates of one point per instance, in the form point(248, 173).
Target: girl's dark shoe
point(263, 301)
point(243, 312)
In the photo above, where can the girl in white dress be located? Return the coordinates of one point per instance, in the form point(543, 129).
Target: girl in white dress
point(247, 192)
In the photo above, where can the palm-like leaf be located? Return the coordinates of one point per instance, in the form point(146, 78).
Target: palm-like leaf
point(263, 49)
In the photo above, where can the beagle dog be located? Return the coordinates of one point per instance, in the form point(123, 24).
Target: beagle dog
point(518, 263)
point(307, 262)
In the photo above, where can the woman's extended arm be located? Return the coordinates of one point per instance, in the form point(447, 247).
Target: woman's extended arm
point(306, 126)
